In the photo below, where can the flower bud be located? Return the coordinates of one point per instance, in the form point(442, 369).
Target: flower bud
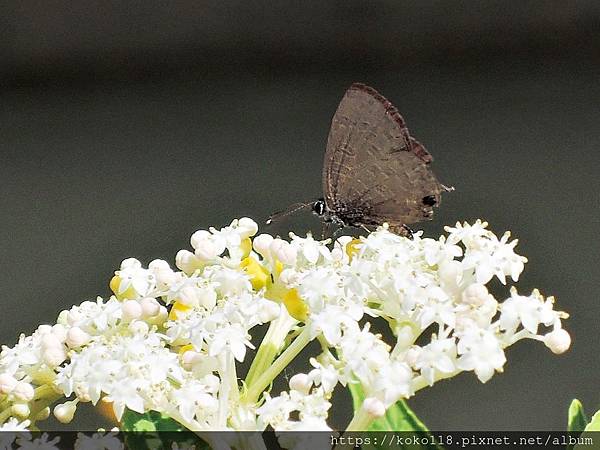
point(51, 341)
point(165, 277)
point(262, 243)
point(43, 414)
point(286, 254)
point(73, 317)
point(150, 307)
point(374, 407)
point(44, 329)
point(276, 246)
point(60, 331)
point(187, 261)
point(54, 356)
point(207, 251)
point(248, 227)
point(189, 358)
point(7, 383)
point(301, 383)
point(130, 263)
point(76, 337)
point(160, 317)
point(188, 296)
point(159, 264)
point(198, 239)
point(21, 410)
point(475, 294)
point(132, 310)
point(64, 412)
point(23, 391)
point(558, 341)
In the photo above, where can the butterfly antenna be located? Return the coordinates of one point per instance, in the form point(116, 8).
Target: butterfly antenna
point(286, 212)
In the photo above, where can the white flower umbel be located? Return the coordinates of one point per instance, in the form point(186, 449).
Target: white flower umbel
point(171, 339)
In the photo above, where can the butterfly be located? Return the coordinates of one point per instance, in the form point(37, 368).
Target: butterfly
point(374, 171)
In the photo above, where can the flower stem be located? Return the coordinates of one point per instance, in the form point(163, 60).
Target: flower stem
point(5, 415)
point(270, 346)
point(361, 420)
point(40, 404)
point(258, 386)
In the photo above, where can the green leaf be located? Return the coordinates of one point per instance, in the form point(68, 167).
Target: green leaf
point(577, 421)
point(150, 421)
point(594, 424)
point(153, 430)
point(398, 417)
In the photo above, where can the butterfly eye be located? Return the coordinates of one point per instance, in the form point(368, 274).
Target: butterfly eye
point(429, 200)
point(319, 207)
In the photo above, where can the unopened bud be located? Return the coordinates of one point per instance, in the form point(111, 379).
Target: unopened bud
point(23, 391)
point(558, 341)
point(262, 243)
point(64, 412)
point(21, 410)
point(76, 337)
point(374, 407)
point(301, 383)
point(7, 383)
point(132, 310)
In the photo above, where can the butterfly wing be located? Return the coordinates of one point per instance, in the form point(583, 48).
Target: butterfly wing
point(374, 171)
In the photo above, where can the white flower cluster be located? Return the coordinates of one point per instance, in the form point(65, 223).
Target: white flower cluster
point(170, 340)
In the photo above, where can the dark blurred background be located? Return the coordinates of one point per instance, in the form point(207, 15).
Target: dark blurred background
point(126, 126)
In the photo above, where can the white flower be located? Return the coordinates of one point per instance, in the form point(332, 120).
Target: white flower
point(481, 352)
point(233, 338)
point(364, 354)
point(171, 340)
point(439, 356)
point(132, 275)
point(529, 311)
point(392, 383)
point(13, 424)
point(192, 399)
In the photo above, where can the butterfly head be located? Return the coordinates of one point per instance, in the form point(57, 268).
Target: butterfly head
point(319, 207)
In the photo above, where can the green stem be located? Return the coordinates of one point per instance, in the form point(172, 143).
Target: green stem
point(420, 382)
point(258, 386)
point(5, 415)
point(38, 405)
point(44, 390)
point(269, 347)
point(360, 421)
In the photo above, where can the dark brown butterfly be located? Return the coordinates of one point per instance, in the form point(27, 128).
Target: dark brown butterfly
point(374, 171)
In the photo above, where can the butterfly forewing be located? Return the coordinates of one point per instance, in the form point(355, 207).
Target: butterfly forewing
point(374, 171)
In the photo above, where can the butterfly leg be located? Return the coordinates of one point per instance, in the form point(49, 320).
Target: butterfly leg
point(327, 230)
